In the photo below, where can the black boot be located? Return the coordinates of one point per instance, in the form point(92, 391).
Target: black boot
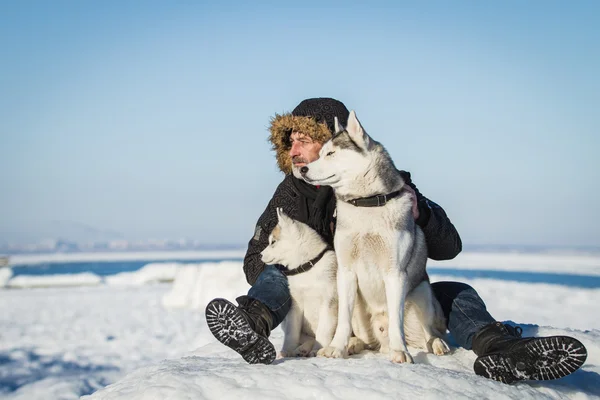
point(506, 357)
point(244, 329)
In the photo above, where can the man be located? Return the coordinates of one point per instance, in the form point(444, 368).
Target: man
point(297, 139)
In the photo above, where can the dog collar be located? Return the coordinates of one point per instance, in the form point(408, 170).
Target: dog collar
point(308, 265)
point(374, 201)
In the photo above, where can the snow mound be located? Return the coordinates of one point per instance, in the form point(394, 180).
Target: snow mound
point(216, 372)
point(197, 284)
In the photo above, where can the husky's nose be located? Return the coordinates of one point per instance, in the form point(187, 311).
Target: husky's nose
point(304, 170)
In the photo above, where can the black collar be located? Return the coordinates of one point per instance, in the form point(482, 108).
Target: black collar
point(374, 201)
point(307, 266)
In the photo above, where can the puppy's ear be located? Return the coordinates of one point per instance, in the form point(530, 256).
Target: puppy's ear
point(338, 126)
point(283, 218)
point(280, 214)
point(356, 131)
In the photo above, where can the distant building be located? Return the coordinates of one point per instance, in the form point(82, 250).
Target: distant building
point(3, 261)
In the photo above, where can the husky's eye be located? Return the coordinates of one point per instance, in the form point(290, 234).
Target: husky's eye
point(330, 153)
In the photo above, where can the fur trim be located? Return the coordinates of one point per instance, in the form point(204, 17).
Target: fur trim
point(282, 126)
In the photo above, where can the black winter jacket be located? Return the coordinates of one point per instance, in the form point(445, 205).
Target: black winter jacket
point(443, 241)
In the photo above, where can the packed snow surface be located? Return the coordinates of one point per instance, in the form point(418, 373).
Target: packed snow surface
point(132, 337)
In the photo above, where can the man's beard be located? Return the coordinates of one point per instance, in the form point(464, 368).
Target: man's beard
point(298, 159)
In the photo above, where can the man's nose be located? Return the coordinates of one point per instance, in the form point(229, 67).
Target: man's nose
point(295, 149)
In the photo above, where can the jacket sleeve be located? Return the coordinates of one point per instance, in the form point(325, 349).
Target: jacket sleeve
point(443, 240)
point(253, 265)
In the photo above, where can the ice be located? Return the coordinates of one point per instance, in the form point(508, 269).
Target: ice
point(150, 273)
point(29, 259)
point(32, 281)
point(196, 285)
point(5, 274)
point(566, 263)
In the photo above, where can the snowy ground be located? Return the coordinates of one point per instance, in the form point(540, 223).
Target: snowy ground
point(150, 341)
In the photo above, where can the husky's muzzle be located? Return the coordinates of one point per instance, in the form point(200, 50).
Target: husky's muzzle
point(304, 171)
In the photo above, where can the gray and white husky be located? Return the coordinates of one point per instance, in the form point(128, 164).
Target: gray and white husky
point(381, 252)
point(311, 270)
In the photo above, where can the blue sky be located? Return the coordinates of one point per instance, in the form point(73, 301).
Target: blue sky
point(149, 119)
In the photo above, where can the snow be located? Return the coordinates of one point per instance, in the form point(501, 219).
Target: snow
point(211, 373)
point(150, 340)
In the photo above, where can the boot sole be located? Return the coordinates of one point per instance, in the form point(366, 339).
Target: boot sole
point(541, 359)
point(228, 325)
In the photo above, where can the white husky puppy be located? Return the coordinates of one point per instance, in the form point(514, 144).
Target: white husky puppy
point(381, 251)
point(311, 262)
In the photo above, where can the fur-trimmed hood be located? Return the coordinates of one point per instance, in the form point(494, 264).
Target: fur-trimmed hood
point(281, 128)
point(313, 117)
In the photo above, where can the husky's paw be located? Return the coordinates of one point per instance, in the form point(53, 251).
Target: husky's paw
point(315, 350)
point(283, 354)
point(355, 345)
point(401, 357)
point(303, 350)
point(332, 352)
point(384, 348)
point(438, 347)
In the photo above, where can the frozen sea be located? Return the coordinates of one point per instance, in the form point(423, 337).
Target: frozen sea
point(131, 326)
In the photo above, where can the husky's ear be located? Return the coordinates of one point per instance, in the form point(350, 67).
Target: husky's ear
point(282, 217)
point(337, 125)
point(356, 131)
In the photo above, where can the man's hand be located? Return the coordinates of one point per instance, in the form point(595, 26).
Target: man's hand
point(413, 197)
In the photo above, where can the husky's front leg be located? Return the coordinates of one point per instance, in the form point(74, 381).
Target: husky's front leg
point(327, 322)
point(422, 298)
point(292, 327)
point(347, 287)
point(396, 286)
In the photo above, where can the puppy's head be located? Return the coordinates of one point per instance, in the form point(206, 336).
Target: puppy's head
point(284, 241)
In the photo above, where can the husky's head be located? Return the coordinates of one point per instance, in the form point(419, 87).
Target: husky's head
point(351, 159)
point(291, 243)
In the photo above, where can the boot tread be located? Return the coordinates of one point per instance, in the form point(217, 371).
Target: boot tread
point(542, 359)
point(230, 327)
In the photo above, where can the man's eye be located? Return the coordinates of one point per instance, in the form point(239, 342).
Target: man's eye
point(330, 153)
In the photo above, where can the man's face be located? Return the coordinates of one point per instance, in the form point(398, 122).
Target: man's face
point(304, 150)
